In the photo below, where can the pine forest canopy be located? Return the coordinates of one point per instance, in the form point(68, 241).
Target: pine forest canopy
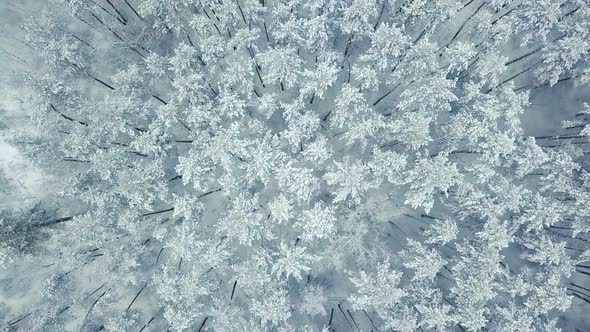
point(305, 165)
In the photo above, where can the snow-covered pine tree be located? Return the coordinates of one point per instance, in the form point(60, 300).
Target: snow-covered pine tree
point(282, 165)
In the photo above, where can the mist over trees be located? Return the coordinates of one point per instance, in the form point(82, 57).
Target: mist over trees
point(302, 165)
